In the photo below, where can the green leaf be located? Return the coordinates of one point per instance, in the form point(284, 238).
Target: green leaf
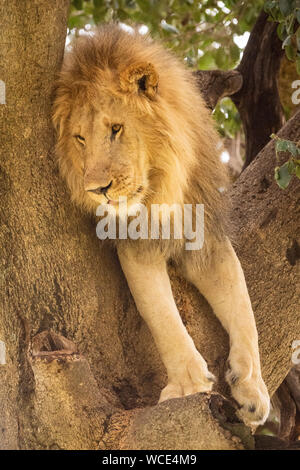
point(298, 15)
point(287, 146)
point(293, 149)
point(298, 38)
point(281, 145)
point(270, 5)
point(286, 7)
point(78, 4)
point(235, 53)
point(297, 173)
point(281, 31)
point(283, 176)
point(221, 58)
point(291, 167)
point(99, 13)
point(291, 52)
point(78, 21)
point(207, 61)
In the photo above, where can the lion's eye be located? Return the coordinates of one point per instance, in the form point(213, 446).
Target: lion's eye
point(115, 129)
point(80, 139)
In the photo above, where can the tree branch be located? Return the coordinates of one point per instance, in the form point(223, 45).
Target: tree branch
point(216, 84)
point(287, 412)
point(202, 421)
point(293, 382)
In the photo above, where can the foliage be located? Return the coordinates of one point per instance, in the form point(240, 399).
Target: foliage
point(228, 118)
point(285, 172)
point(204, 33)
point(287, 14)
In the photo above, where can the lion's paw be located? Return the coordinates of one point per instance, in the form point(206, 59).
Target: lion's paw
point(194, 377)
point(252, 395)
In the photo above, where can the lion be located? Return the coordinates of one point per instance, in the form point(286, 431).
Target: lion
point(131, 122)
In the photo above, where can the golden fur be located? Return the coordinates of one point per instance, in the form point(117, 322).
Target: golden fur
point(169, 138)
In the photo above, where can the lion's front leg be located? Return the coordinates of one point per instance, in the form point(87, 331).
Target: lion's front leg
point(151, 289)
point(223, 284)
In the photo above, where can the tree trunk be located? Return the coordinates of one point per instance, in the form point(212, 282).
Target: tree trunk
point(252, 86)
point(258, 99)
point(81, 368)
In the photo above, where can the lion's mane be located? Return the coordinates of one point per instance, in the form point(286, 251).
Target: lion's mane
point(178, 130)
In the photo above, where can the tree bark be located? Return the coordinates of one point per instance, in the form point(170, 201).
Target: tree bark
point(216, 84)
point(82, 370)
point(258, 99)
point(252, 86)
point(287, 412)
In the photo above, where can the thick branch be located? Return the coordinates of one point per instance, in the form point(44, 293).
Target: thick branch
point(201, 421)
point(216, 84)
point(267, 219)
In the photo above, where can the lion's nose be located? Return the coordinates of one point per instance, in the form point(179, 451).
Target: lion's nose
point(101, 189)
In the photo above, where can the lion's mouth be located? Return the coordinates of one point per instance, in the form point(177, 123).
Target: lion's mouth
point(112, 202)
point(122, 199)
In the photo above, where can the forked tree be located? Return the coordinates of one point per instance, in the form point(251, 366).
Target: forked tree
point(81, 368)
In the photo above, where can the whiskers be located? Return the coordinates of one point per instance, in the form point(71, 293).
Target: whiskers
point(145, 192)
point(148, 194)
point(137, 190)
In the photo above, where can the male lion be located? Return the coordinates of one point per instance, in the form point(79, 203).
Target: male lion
point(131, 123)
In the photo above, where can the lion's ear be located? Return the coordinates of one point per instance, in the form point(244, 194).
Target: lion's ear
point(140, 78)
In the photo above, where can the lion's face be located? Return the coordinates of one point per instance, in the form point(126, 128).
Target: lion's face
point(130, 123)
point(103, 137)
point(109, 151)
